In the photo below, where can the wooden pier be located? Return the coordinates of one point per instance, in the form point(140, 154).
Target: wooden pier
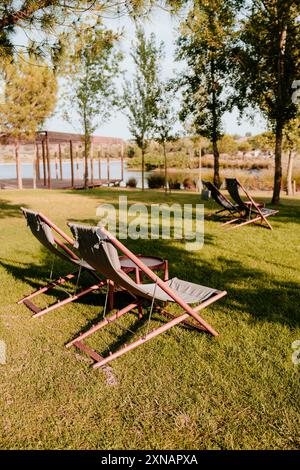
point(48, 148)
point(28, 183)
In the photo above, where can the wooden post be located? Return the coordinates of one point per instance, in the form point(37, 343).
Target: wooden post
point(122, 161)
point(56, 165)
point(99, 162)
point(34, 167)
point(83, 167)
point(60, 161)
point(18, 165)
point(92, 161)
point(72, 165)
point(37, 153)
point(77, 164)
point(44, 162)
point(108, 166)
point(48, 162)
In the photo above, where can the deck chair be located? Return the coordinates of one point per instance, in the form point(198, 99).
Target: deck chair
point(253, 212)
point(99, 248)
point(42, 229)
point(227, 206)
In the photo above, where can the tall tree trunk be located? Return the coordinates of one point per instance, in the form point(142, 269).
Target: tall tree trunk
point(166, 166)
point(18, 164)
point(86, 140)
point(200, 169)
point(91, 152)
point(86, 161)
point(289, 186)
point(143, 168)
point(217, 181)
point(278, 166)
point(281, 98)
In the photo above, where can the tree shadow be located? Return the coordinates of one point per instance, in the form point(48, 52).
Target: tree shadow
point(249, 291)
point(38, 275)
point(10, 210)
point(277, 302)
point(265, 300)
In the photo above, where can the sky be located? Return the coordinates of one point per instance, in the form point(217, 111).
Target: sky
point(164, 27)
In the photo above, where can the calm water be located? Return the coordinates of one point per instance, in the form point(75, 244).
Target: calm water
point(8, 171)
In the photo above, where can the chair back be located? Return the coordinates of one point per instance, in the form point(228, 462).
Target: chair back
point(99, 252)
point(232, 186)
point(218, 196)
point(42, 232)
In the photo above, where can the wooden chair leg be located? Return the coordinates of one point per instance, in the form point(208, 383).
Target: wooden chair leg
point(140, 341)
point(39, 312)
point(49, 286)
point(103, 323)
point(230, 221)
point(161, 329)
point(111, 295)
point(166, 270)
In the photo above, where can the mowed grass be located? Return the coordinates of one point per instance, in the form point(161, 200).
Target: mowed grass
point(181, 390)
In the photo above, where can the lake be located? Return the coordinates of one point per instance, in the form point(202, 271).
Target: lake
point(8, 171)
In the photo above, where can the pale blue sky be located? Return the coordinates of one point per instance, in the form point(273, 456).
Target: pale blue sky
point(164, 28)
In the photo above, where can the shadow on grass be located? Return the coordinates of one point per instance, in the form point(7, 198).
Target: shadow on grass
point(266, 300)
point(37, 276)
point(10, 210)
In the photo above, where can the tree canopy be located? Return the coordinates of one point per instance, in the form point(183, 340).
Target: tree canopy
point(267, 62)
point(204, 43)
point(30, 90)
point(141, 94)
point(90, 71)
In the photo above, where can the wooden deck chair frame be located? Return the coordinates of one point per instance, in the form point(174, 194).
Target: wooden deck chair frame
point(254, 211)
point(189, 311)
point(228, 207)
point(69, 255)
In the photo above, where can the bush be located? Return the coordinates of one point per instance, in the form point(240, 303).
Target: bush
point(130, 152)
point(174, 183)
point(189, 183)
point(156, 181)
point(131, 183)
point(150, 166)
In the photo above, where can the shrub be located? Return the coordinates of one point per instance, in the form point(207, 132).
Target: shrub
point(131, 183)
point(174, 183)
point(150, 166)
point(227, 144)
point(156, 181)
point(130, 152)
point(189, 183)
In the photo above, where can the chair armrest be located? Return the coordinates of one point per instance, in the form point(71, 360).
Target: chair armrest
point(258, 204)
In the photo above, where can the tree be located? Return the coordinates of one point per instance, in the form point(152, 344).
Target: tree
point(204, 44)
point(29, 98)
point(165, 120)
point(91, 68)
point(244, 146)
point(227, 144)
point(267, 59)
point(47, 23)
point(141, 94)
point(264, 142)
point(291, 144)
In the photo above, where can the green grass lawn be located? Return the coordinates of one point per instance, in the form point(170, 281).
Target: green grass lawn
point(182, 390)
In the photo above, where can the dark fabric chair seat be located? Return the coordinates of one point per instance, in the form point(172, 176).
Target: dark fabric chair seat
point(103, 256)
